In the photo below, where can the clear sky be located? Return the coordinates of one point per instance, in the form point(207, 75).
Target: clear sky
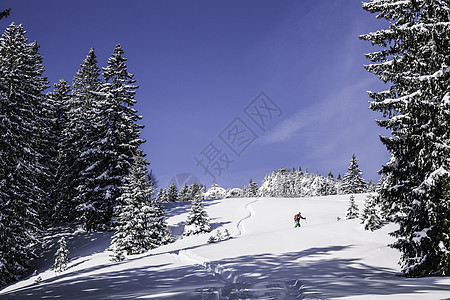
point(229, 90)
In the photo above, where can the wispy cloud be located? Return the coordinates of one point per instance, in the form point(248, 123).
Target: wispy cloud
point(335, 106)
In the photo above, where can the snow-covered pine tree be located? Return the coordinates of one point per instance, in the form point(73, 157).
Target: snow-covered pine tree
point(197, 221)
point(161, 197)
point(152, 181)
point(172, 193)
point(61, 256)
point(110, 154)
point(194, 190)
point(139, 222)
point(160, 225)
point(252, 189)
point(183, 195)
point(353, 210)
point(23, 131)
point(331, 185)
point(370, 217)
point(415, 60)
point(353, 182)
point(77, 138)
point(57, 105)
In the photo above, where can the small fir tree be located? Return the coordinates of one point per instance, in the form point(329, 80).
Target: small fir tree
point(369, 217)
point(197, 221)
point(352, 211)
point(353, 183)
point(61, 257)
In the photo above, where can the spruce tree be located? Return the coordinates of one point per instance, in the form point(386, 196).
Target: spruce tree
point(252, 188)
point(61, 257)
point(370, 217)
point(162, 196)
point(160, 225)
point(140, 222)
point(197, 221)
point(79, 133)
point(114, 143)
point(353, 210)
point(194, 190)
point(353, 183)
point(183, 195)
point(172, 193)
point(23, 131)
point(415, 60)
point(57, 106)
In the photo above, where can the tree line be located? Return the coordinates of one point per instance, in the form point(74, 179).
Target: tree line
point(65, 155)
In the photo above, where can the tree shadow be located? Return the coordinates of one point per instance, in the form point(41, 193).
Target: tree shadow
point(176, 208)
point(332, 277)
point(317, 269)
point(174, 283)
point(215, 225)
point(79, 243)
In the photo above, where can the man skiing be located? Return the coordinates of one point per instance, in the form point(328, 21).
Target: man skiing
point(297, 218)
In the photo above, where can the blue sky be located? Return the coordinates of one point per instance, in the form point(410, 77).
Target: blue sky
point(202, 65)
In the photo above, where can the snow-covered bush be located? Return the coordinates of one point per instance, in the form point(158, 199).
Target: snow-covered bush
point(215, 192)
point(234, 193)
point(219, 236)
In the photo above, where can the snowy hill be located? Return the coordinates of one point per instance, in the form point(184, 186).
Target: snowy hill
point(266, 259)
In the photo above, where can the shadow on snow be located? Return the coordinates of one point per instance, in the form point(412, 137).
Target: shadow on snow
point(324, 278)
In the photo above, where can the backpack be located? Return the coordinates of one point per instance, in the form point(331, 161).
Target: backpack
point(296, 217)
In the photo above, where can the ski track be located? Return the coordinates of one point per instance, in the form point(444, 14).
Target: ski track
point(239, 225)
point(234, 285)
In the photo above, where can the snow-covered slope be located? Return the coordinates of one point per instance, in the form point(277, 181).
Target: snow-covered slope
point(266, 259)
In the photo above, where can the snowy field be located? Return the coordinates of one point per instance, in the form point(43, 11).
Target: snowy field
point(266, 259)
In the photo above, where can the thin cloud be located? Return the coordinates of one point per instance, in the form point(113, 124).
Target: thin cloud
point(333, 107)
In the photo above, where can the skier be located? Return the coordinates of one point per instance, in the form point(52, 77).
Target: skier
point(297, 218)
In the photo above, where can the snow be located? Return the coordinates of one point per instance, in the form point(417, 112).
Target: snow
point(266, 258)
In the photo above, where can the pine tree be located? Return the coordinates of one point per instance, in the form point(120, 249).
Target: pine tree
point(197, 221)
point(162, 196)
point(77, 136)
point(194, 190)
point(415, 60)
point(160, 225)
point(61, 257)
point(352, 211)
point(252, 188)
point(172, 193)
point(183, 195)
point(23, 131)
point(152, 181)
point(110, 154)
point(353, 183)
point(57, 105)
point(140, 223)
point(369, 217)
